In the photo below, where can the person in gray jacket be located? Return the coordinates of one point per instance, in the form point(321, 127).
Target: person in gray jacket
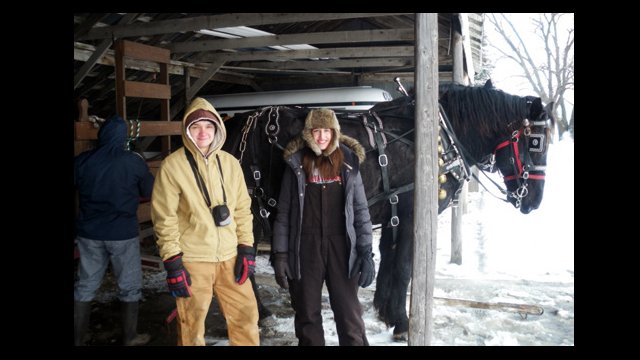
point(322, 232)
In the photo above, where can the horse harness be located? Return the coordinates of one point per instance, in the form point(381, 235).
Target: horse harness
point(450, 160)
point(257, 192)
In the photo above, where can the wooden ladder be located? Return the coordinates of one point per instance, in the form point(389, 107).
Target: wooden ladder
point(160, 90)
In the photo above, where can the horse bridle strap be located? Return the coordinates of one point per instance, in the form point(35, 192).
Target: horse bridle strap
point(519, 171)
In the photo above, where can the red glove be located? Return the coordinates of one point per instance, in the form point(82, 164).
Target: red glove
point(245, 263)
point(178, 278)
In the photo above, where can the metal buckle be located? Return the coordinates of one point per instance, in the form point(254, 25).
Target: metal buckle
point(257, 175)
point(393, 199)
point(264, 213)
point(383, 160)
point(272, 202)
point(395, 221)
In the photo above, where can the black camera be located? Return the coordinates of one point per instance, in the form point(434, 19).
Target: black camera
point(221, 215)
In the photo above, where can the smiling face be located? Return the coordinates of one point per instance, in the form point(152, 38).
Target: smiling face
point(202, 133)
point(322, 137)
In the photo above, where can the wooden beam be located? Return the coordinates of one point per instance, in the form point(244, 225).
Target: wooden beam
point(87, 24)
point(218, 21)
point(82, 52)
point(213, 68)
point(331, 64)
point(292, 39)
point(349, 52)
point(425, 205)
point(86, 131)
point(147, 90)
point(139, 51)
point(98, 53)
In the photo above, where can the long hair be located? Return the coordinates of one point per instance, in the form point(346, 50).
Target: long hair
point(328, 166)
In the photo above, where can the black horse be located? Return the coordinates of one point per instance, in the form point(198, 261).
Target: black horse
point(480, 126)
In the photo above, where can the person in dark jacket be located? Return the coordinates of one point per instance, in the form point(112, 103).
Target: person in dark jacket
point(322, 232)
point(110, 182)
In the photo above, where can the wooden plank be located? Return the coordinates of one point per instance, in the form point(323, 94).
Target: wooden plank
point(147, 90)
point(140, 51)
point(292, 39)
point(86, 131)
point(218, 21)
point(331, 64)
point(100, 51)
point(87, 24)
point(501, 306)
point(206, 76)
point(82, 52)
point(349, 52)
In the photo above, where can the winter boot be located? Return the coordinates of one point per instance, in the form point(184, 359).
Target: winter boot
point(81, 315)
point(130, 337)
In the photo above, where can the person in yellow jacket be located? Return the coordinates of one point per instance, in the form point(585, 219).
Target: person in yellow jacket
point(200, 208)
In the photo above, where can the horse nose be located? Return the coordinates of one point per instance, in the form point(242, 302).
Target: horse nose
point(525, 209)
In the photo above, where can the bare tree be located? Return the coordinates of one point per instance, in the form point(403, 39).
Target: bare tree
point(551, 77)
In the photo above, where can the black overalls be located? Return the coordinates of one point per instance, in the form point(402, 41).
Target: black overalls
point(324, 253)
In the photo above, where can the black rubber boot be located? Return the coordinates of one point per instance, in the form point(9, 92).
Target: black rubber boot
point(81, 315)
point(130, 337)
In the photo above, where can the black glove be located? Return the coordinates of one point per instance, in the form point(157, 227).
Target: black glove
point(365, 266)
point(178, 277)
point(245, 263)
point(281, 268)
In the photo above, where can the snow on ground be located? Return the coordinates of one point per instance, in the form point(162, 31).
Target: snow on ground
point(507, 257)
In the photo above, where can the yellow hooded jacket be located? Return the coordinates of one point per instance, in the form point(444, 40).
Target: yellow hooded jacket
point(181, 219)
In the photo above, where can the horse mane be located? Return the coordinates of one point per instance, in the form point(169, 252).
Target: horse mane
point(481, 112)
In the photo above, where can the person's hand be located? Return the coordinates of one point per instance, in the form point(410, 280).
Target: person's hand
point(281, 268)
point(365, 266)
point(245, 263)
point(178, 278)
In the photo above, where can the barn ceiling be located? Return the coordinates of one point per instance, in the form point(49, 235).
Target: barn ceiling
point(255, 52)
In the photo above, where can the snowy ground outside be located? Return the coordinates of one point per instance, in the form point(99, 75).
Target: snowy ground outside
point(506, 257)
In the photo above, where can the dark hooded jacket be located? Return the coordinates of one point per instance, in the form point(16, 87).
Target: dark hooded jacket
point(287, 227)
point(110, 182)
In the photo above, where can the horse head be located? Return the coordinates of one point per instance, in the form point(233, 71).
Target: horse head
point(522, 159)
point(503, 132)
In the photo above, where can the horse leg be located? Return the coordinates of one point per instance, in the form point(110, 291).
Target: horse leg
point(393, 278)
point(265, 318)
point(402, 276)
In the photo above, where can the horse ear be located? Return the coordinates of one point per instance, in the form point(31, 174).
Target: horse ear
point(549, 110)
point(536, 108)
point(488, 84)
point(549, 107)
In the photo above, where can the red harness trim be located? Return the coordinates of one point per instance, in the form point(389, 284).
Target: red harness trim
point(516, 152)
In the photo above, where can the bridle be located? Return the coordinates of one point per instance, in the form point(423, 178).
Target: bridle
point(524, 169)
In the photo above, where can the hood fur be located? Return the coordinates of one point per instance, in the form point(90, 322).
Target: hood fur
point(299, 143)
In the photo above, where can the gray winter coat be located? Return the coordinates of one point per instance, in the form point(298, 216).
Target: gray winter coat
point(287, 227)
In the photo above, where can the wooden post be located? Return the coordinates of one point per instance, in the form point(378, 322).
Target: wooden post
point(426, 180)
point(457, 211)
point(80, 146)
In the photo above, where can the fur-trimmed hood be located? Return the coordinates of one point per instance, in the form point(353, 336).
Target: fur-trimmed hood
point(299, 143)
